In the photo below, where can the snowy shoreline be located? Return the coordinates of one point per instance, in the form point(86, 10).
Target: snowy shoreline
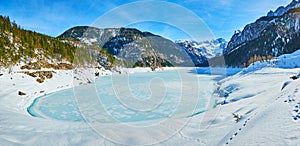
point(62, 80)
point(254, 94)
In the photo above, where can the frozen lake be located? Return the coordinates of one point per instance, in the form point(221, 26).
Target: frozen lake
point(134, 97)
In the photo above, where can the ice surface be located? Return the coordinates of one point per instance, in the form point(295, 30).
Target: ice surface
point(126, 98)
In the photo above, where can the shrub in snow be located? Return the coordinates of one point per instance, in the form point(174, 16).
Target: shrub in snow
point(22, 93)
point(294, 77)
point(237, 117)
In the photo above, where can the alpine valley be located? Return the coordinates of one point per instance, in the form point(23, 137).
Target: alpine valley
point(123, 86)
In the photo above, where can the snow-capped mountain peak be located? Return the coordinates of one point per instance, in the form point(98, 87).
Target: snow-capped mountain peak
point(208, 49)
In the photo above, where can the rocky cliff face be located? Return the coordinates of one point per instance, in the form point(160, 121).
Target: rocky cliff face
point(270, 36)
point(249, 33)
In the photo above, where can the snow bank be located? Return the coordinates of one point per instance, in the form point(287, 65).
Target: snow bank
point(269, 114)
point(287, 61)
point(266, 97)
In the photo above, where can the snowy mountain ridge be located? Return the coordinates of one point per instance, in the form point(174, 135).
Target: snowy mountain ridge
point(209, 49)
point(135, 48)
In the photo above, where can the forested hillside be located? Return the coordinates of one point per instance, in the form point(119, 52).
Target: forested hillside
point(17, 45)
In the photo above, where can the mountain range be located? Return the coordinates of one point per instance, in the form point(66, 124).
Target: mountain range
point(201, 52)
point(131, 46)
point(136, 48)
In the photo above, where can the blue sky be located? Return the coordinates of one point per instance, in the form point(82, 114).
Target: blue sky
point(222, 17)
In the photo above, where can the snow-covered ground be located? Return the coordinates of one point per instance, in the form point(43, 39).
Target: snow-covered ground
point(269, 114)
point(14, 80)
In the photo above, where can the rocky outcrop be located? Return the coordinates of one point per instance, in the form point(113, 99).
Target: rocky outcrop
point(40, 79)
point(43, 64)
point(40, 75)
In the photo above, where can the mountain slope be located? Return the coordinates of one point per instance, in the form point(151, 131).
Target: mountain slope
point(270, 36)
point(133, 47)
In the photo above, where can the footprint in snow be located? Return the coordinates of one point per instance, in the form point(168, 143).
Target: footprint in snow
point(295, 118)
point(289, 100)
point(296, 112)
point(245, 124)
point(235, 134)
point(240, 129)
